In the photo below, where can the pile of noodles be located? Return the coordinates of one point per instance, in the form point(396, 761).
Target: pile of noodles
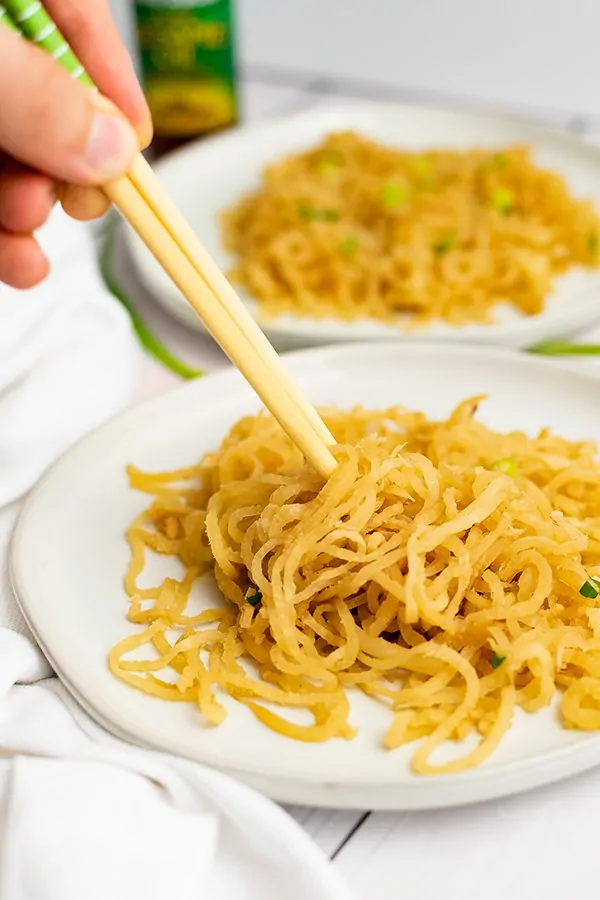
point(356, 229)
point(445, 569)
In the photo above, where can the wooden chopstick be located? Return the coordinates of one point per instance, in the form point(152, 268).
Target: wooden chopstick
point(217, 319)
point(143, 177)
point(144, 203)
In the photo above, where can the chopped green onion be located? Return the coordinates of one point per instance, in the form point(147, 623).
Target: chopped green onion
point(503, 200)
point(445, 243)
point(507, 466)
point(592, 242)
point(330, 163)
point(588, 590)
point(420, 165)
point(498, 161)
point(254, 597)
point(497, 660)
point(393, 194)
point(317, 215)
point(326, 167)
point(349, 246)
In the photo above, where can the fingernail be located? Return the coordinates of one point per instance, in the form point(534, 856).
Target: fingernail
point(143, 121)
point(146, 133)
point(112, 145)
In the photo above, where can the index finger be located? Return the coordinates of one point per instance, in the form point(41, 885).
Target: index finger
point(90, 29)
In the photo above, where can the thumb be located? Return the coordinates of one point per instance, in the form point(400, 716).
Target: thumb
point(55, 124)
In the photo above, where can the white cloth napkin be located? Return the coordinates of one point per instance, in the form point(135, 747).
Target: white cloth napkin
point(82, 814)
point(67, 359)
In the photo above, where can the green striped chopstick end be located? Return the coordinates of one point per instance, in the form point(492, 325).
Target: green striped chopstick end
point(6, 20)
point(34, 22)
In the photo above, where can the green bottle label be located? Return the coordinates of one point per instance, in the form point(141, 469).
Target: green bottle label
point(188, 64)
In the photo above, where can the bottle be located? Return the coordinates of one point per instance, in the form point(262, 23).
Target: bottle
point(188, 67)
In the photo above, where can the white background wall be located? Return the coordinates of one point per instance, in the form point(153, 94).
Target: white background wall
point(536, 54)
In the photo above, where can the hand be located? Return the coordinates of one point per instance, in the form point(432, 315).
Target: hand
point(58, 139)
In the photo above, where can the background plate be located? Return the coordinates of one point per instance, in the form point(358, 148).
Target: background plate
point(206, 177)
point(69, 555)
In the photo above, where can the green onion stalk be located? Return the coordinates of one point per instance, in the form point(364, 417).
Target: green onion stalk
point(565, 348)
point(147, 339)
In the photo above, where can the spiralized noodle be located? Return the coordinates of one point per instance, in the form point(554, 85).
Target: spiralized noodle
point(355, 229)
point(445, 570)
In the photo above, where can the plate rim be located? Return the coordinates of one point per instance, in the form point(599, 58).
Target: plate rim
point(442, 791)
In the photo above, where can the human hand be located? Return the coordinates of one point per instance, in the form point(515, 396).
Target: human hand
point(59, 139)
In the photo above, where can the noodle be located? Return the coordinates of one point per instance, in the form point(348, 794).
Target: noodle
point(355, 229)
point(445, 570)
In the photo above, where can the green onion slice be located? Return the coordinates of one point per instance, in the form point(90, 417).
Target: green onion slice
point(349, 246)
point(503, 200)
point(330, 161)
point(498, 161)
point(393, 194)
point(444, 244)
point(309, 214)
point(588, 590)
point(254, 597)
point(420, 165)
point(507, 466)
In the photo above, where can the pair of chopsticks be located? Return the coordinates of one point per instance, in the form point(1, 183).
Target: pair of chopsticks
point(143, 202)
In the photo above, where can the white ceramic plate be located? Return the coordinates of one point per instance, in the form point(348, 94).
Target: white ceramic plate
point(206, 177)
point(69, 555)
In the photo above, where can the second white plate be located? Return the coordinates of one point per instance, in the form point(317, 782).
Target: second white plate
point(208, 176)
point(69, 555)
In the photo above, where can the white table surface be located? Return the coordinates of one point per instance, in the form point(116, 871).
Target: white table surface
point(365, 845)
